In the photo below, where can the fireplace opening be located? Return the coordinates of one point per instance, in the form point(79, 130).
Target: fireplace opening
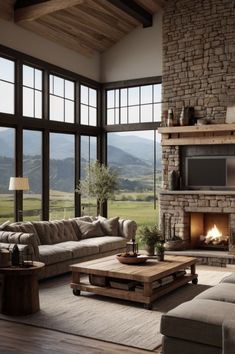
point(209, 231)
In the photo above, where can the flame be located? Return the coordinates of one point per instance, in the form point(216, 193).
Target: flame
point(214, 233)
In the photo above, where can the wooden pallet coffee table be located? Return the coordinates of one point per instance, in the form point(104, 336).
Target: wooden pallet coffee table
point(145, 274)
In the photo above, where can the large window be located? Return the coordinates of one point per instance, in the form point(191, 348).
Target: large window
point(37, 101)
point(136, 157)
point(32, 92)
point(62, 93)
point(7, 87)
point(62, 176)
point(88, 106)
point(7, 170)
point(140, 104)
point(88, 154)
point(32, 168)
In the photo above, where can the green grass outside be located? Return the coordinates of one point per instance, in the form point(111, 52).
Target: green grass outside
point(61, 207)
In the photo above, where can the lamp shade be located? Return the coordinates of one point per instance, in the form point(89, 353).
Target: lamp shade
point(19, 184)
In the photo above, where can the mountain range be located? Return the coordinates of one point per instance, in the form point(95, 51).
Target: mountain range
point(131, 156)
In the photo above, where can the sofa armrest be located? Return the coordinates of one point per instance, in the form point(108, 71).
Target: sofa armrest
point(8, 237)
point(228, 336)
point(127, 228)
point(24, 249)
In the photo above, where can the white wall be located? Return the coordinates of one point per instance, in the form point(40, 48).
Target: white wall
point(15, 37)
point(137, 55)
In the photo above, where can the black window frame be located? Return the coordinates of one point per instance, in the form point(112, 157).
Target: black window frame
point(47, 126)
point(44, 124)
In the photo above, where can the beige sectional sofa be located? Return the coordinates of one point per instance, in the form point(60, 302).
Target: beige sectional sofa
point(204, 325)
point(61, 243)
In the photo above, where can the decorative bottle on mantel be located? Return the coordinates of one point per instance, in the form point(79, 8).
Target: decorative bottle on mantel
point(170, 118)
point(173, 180)
point(184, 117)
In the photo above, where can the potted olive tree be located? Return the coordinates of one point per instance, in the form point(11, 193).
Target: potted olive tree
point(150, 235)
point(100, 183)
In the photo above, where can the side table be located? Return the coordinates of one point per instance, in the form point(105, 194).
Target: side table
point(20, 294)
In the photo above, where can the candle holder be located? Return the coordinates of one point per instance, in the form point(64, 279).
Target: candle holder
point(132, 247)
point(27, 260)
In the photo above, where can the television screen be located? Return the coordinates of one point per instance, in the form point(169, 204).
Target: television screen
point(206, 171)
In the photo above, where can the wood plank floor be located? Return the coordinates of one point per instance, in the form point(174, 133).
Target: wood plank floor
point(24, 339)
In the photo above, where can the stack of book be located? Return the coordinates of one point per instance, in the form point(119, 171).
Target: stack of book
point(122, 284)
point(179, 274)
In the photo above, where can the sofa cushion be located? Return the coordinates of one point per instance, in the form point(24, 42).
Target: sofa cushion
point(198, 320)
point(109, 226)
point(71, 230)
point(24, 226)
point(52, 232)
point(109, 243)
point(82, 248)
point(221, 292)
point(90, 229)
point(229, 279)
point(50, 254)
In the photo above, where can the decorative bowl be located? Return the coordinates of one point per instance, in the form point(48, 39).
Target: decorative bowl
point(132, 260)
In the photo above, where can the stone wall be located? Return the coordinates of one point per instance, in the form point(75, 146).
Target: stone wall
point(170, 161)
point(199, 57)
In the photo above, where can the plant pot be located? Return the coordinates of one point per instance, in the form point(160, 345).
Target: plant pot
point(160, 257)
point(150, 250)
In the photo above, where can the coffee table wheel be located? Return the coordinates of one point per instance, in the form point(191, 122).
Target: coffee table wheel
point(148, 306)
point(76, 292)
point(195, 281)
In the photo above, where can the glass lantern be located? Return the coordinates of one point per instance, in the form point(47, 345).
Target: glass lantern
point(132, 247)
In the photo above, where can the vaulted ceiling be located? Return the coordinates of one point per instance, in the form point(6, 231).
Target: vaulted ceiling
point(86, 26)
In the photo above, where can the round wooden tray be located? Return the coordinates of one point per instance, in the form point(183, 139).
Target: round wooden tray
point(132, 260)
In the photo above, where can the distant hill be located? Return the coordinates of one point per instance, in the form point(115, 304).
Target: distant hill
point(117, 156)
point(141, 148)
point(131, 157)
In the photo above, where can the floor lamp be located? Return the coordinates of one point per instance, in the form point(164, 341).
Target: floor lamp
point(19, 184)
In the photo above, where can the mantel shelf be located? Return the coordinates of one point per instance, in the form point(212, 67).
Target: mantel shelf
point(197, 128)
point(209, 134)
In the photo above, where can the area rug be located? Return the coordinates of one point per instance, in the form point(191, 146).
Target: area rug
point(107, 319)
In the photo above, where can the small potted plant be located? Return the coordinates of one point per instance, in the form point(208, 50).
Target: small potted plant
point(160, 250)
point(149, 236)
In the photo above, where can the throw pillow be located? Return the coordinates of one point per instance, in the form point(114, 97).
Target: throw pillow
point(109, 226)
point(6, 223)
point(23, 226)
point(71, 230)
point(90, 229)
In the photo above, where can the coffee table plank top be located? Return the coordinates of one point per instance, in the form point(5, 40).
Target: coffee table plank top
point(147, 272)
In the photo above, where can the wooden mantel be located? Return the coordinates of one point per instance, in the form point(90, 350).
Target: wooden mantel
point(210, 134)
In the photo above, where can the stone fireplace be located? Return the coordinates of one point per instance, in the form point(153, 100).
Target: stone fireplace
point(198, 72)
point(189, 214)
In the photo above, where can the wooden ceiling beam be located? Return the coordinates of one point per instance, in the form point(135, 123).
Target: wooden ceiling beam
point(135, 10)
point(33, 10)
point(48, 32)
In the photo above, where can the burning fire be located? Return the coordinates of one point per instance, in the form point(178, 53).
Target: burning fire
point(215, 236)
point(214, 232)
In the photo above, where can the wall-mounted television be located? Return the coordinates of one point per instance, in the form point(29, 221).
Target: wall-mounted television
point(210, 171)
